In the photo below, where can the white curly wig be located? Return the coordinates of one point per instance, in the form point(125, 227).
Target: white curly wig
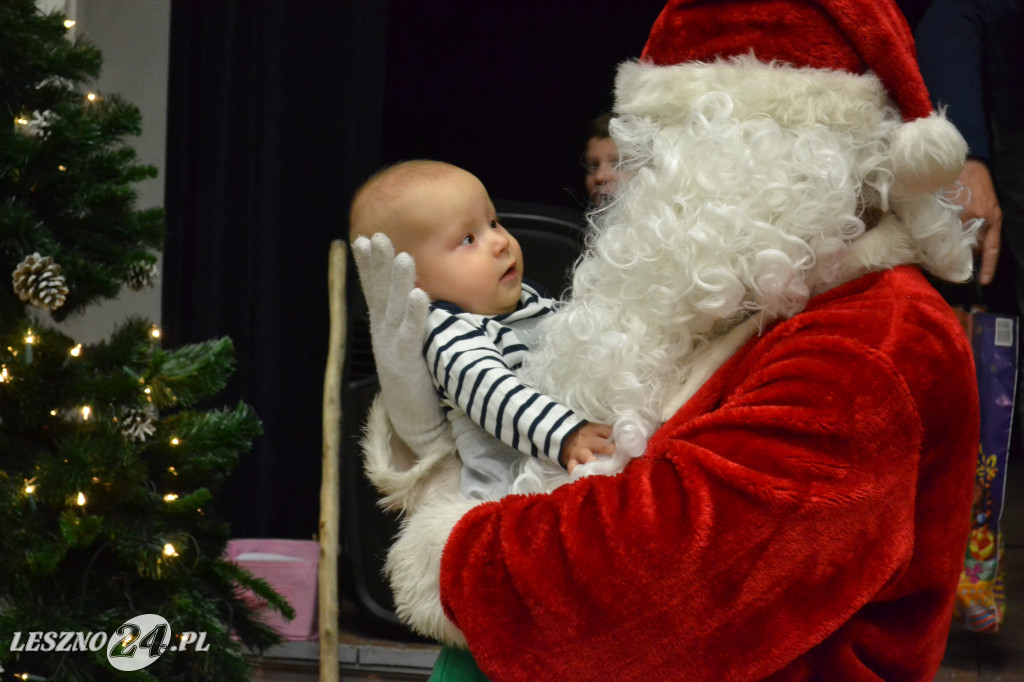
point(748, 187)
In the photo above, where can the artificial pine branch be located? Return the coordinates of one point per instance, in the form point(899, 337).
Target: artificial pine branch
point(182, 377)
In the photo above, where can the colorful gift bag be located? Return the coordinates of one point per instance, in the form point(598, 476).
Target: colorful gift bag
point(290, 567)
point(979, 599)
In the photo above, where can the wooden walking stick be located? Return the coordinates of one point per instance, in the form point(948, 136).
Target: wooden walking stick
point(330, 515)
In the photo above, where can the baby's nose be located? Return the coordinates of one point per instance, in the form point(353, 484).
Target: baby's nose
point(499, 240)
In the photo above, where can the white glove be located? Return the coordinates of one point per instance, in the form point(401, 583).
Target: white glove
point(398, 315)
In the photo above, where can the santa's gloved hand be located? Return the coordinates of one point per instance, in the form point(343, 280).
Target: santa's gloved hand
point(398, 314)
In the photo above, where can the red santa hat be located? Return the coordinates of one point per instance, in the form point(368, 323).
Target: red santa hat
point(855, 37)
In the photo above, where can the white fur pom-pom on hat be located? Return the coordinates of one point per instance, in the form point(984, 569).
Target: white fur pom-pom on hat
point(926, 155)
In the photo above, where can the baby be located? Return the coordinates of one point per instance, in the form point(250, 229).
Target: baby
point(481, 322)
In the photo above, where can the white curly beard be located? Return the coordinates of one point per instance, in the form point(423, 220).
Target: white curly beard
point(722, 219)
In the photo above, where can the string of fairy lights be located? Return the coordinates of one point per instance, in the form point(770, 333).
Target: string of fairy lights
point(84, 412)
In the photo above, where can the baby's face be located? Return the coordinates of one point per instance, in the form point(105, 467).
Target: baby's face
point(463, 254)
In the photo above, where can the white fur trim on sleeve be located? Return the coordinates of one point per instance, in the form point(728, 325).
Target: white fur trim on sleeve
point(404, 480)
point(425, 491)
point(414, 567)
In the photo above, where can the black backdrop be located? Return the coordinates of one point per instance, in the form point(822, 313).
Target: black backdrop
point(279, 109)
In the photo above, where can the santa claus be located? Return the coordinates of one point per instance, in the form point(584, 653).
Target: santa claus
point(795, 405)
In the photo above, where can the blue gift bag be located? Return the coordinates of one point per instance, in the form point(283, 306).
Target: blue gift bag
point(980, 597)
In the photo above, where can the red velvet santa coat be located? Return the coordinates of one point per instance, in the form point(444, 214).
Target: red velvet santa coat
point(803, 517)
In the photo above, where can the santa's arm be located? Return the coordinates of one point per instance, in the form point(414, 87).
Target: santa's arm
point(743, 538)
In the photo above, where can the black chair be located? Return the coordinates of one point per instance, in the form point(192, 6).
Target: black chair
point(551, 239)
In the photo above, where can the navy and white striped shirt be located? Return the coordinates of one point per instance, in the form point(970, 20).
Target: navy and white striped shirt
point(473, 359)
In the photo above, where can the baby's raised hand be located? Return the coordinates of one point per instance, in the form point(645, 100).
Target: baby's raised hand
point(585, 443)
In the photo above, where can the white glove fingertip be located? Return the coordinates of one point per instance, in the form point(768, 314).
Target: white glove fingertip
point(382, 244)
point(403, 279)
point(361, 245)
point(382, 252)
point(409, 336)
point(364, 261)
point(376, 277)
point(417, 307)
point(361, 254)
point(420, 297)
point(404, 261)
point(404, 272)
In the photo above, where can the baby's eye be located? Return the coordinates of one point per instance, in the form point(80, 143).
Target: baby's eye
point(467, 240)
point(494, 224)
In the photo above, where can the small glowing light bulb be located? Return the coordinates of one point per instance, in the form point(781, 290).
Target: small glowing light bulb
point(169, 550)
point(29, 488)
point(147, 390)
point(21, 120)
point(91, 97)
point(80, 500)
point(68, 23)
point(154, 332)
point(86, 412)
point(53, 413)
point(62, 168)
point(173, 470)
point(75, 351)
point(30, 339)
point(170, 497)
point(175, 441)
point(4, 376)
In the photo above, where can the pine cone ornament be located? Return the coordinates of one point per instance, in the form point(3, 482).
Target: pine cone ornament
point(141, 275)
point(37, 124)
point(136, 424)
point(38, 281)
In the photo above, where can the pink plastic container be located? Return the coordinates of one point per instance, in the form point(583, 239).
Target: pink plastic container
point(290, 567)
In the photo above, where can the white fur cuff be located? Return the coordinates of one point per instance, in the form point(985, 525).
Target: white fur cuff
point(404, 480)
point(414, 567)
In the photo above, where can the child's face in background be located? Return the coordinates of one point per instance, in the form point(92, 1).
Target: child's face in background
point(600, 159)
point(463, 255)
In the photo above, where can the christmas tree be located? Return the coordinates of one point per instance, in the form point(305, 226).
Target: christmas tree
point(110, 454)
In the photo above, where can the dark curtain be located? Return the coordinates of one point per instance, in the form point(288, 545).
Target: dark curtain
point(507, 90)
point(274, 118)
point(278, 110)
